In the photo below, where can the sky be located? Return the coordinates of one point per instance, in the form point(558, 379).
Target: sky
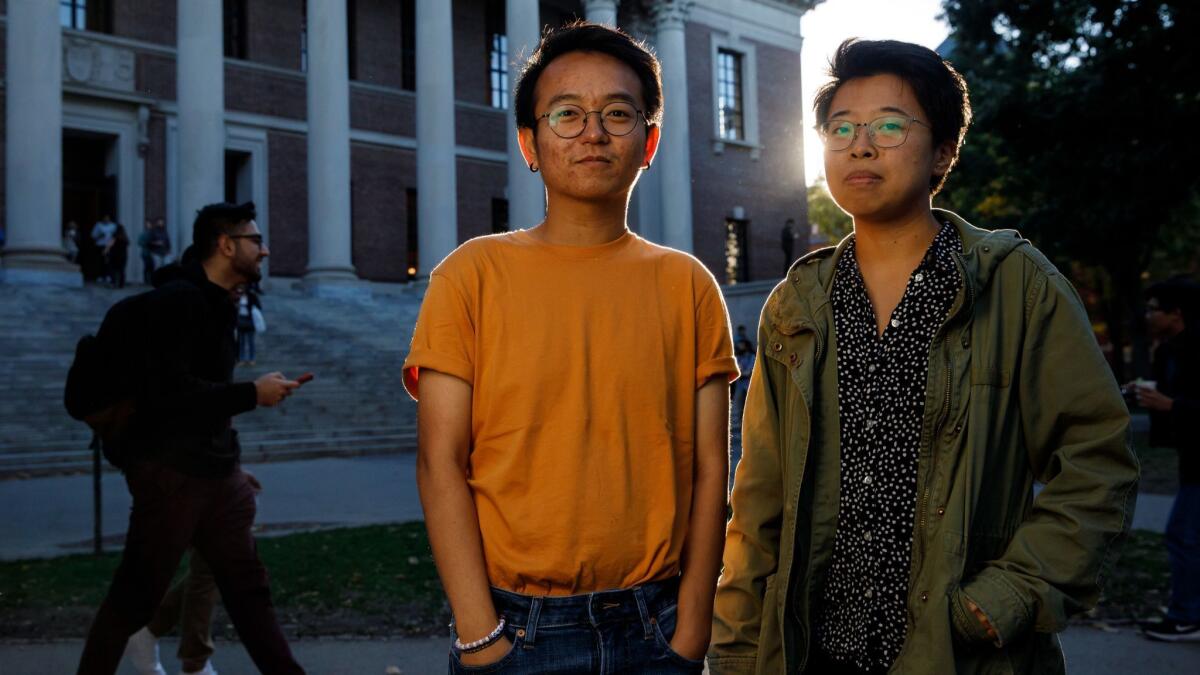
point(832, 21)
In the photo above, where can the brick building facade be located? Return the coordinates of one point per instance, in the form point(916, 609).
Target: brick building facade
point(121, 143)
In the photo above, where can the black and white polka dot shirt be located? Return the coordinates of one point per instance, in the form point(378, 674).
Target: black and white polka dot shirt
point(881, 400)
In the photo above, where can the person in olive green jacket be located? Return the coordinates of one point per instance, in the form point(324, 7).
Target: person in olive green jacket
point(912, 384)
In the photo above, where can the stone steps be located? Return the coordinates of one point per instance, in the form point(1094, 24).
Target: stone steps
point(355, 406)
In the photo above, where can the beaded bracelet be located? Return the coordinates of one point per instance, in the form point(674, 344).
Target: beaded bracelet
point(482, 643)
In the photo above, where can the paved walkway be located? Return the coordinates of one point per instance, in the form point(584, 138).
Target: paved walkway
point(1089, 652)
point(48, 517)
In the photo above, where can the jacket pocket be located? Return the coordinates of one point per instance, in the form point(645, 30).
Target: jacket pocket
point(990, 376)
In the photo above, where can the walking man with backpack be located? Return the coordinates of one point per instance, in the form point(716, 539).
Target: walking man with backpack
point(180, 453)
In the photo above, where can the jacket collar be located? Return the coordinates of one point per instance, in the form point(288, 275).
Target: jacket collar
point(806, 291)
point(983, 251)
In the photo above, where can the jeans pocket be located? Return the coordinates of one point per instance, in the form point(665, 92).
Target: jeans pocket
point(664, 630)
point(514, 635)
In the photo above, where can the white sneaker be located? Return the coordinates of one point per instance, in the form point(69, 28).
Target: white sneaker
point(206, 670)
point(142, 650)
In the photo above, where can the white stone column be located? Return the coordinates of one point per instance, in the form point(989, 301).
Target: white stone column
point(34, 253)
point(601, 11)
point(526, 193)
point(674, 155)
point(437, 193)
point(329, 254)
point(200, 84)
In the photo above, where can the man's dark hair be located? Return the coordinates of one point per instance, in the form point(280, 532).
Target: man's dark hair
point(582, 36)
point(1178, 293)
point(214, 220)
point(940, 90)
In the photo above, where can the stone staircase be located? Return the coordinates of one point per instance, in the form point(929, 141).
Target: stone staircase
point(355, 406)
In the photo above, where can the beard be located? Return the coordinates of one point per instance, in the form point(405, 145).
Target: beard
point(248, 268)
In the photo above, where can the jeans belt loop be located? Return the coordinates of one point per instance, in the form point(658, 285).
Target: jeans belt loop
point(643, 612)
point(535, 611)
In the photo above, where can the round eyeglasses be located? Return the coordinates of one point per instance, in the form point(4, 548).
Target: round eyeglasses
point(885, 132)
point(617, 119)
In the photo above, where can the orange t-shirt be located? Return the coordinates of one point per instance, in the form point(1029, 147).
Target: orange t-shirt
point(585, 364)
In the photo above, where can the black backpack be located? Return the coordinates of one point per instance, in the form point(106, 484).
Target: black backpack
point(107, 380)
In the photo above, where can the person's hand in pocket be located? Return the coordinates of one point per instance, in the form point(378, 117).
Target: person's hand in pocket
point(486, 657)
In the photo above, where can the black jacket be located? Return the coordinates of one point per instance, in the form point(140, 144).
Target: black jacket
point(1177, 372)
point(184, 418)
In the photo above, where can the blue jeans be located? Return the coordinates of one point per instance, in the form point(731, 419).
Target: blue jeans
point(245, 345)
point(624, 631)
point(1183, 547)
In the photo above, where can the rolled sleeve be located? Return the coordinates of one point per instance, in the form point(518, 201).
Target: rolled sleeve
point(714, 341)
point(444, 337)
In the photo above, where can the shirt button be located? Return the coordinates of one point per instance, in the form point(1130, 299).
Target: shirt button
point(777, 347)
point(867, 480)
point(867, 535)
point(871, 368)
point(924, 597)
point(941, 511)
point(920, 277)
point(869, 593)
point(895, 323)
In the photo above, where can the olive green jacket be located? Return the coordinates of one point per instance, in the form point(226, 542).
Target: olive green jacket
point(1017, 392)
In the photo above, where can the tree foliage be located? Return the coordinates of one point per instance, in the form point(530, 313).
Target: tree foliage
point(1086, 130)
point(823, 212)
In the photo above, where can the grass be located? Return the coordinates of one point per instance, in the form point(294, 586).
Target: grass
point(366, 580)
point(1138, 584)
point(1160, 467)
point(381, 581)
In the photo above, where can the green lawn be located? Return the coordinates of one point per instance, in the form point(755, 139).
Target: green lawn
point(1139, 580)
point(380, 580)
point(364, 580)
point(1160, 467)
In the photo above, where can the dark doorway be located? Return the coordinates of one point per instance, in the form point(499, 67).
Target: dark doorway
point(238, 179)
point(89, 168)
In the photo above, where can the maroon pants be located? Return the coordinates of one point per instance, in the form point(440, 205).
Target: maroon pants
point(171, 512)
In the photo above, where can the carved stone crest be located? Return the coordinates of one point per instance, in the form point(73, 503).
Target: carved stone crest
point(98, 65)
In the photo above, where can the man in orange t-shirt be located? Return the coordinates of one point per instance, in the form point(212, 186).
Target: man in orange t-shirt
point(574, 401)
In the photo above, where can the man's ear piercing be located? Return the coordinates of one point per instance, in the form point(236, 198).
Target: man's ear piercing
point(533, 168)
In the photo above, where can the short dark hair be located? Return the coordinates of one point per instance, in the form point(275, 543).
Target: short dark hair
point(939, 88)
point(214, 220)
point(1178, 293)
point(584, 36)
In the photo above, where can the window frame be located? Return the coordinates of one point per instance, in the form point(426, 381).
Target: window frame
point(96, 15)
point(496, 32)
point(236, 46)
point(749, 86)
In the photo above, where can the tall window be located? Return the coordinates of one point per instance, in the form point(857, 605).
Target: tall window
point(497, 54)
point(234, 15)
point(737, 251)
point(410, 196)
point(93, 15)
point(304, 36)
point(730, 106)
point(499, 215)
point(352, 38)
point(408, 45)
